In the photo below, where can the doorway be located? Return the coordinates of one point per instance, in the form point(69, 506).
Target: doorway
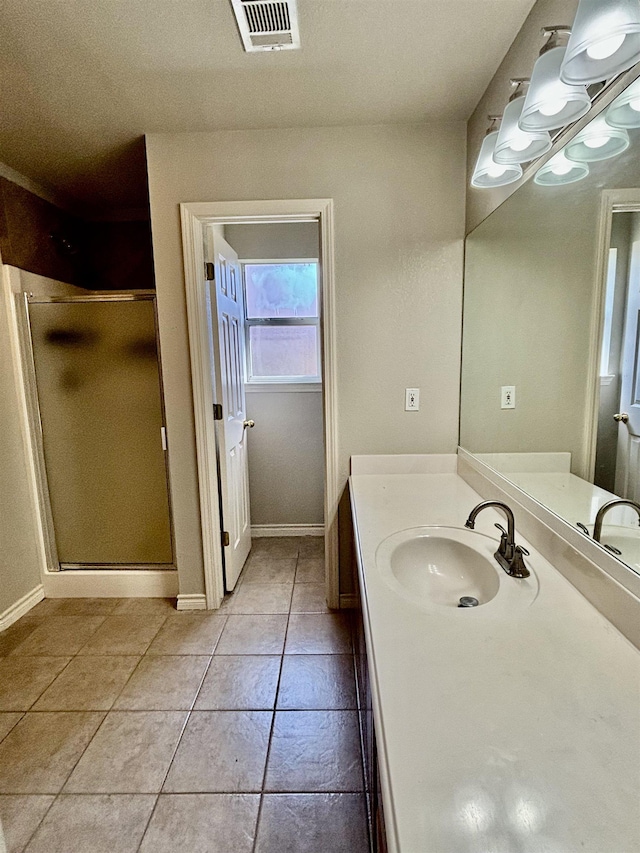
point(617, 462)
point(262, 340)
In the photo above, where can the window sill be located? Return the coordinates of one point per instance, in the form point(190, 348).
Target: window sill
point(281, 387)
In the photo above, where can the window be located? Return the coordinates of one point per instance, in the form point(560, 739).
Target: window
point(282, 321)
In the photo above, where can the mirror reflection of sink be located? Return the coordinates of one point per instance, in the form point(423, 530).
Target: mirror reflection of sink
point(437, 566)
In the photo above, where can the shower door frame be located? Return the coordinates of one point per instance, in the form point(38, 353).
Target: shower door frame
point(52, 562)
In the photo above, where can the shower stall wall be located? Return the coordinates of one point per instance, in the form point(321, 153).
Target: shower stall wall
point(98, 400)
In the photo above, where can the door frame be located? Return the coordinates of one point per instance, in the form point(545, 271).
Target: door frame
point(194, 216)
point(611, 201)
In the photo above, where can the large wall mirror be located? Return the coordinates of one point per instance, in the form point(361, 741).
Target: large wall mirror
point(551, 340)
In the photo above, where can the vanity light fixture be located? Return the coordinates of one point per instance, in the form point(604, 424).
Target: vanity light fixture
point(515, 146)
point(550, 103)
point(559, 170)
point(605, 40)
point(487, 172)
point(625, 110)
point(597, 141)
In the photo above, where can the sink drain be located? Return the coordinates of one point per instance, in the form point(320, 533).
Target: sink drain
point(468, 601)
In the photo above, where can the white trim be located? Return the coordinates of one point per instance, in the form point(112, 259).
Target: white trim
point(193, 217)
point(257, 261)
point(282, 387)
point(404, 463)
point(192, 602)
point(261, 531)
point(110, 583)
point(11, 286)
point(611, 201)
point(201, 356)
point(22, 605)
point(608, 379)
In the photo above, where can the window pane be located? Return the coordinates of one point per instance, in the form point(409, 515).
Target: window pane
point(284, 351)
point(281, 290)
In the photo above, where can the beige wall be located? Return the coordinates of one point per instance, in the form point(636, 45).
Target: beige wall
point(286, 457)
point(518, 62)
point(527, 318)
point(399, 217)
point(274, 240)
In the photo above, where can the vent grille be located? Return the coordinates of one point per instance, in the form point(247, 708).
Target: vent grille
point(267, 17)
point(266, 25)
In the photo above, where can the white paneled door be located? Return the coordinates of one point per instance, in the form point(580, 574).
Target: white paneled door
point(628, 457)
point(226, 324)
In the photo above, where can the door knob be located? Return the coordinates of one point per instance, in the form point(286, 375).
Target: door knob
point(623, 417)
point(250, 424)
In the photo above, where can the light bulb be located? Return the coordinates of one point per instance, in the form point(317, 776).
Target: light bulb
point(496, 171)
point(561, 167)
point(552, 108)
point(596, 141)
point(605, 48)
point(635, 104)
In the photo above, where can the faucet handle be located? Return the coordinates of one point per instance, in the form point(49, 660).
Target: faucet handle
point(584, 528)
point(517, 568)
point(613, 550)
point(502, 549)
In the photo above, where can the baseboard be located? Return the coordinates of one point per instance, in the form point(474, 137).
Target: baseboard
point(348, 602)
point(261, 530)
point(96, 583)
point(192, 602)
point(22, 606)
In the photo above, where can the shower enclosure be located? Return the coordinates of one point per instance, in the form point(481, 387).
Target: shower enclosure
point(97, 397)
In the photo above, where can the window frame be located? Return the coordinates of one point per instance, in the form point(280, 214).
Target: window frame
point(274, 382)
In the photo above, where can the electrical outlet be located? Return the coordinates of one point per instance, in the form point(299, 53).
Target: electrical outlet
point(508, 397)
point(411, 399)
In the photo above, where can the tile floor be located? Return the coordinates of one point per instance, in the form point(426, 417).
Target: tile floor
point(126, 726)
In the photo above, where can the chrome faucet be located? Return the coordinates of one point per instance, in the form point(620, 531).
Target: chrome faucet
point(509, 555)
point(604, 509)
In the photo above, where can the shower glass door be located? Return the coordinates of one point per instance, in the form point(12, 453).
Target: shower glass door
point(100, 405)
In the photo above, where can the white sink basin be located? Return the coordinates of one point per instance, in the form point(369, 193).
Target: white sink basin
point(437, 566)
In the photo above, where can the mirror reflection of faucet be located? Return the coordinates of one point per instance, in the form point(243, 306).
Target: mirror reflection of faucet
point(597, 527)
point(509, 555)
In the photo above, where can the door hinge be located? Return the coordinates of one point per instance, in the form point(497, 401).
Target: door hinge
point(225, 539)
point(217, 411)
point(209, 272)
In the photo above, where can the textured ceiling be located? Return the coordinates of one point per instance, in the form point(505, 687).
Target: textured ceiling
point(82, 80)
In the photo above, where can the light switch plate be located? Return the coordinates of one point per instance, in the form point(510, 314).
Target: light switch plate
point(508, 397)
point(411, 399)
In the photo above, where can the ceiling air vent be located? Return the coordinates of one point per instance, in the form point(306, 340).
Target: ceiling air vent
point(266, 25)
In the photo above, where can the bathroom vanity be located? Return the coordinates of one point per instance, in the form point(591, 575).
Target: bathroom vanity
point(513, 725)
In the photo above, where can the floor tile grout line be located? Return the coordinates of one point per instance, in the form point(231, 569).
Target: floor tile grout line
point(226, 793)
point(273, 718)
point(22, 714)
point(42, 819)
point(148, 823)
point(182, 732)
point(79, 655)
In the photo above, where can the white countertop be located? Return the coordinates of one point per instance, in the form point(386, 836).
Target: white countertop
point(497, 734)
